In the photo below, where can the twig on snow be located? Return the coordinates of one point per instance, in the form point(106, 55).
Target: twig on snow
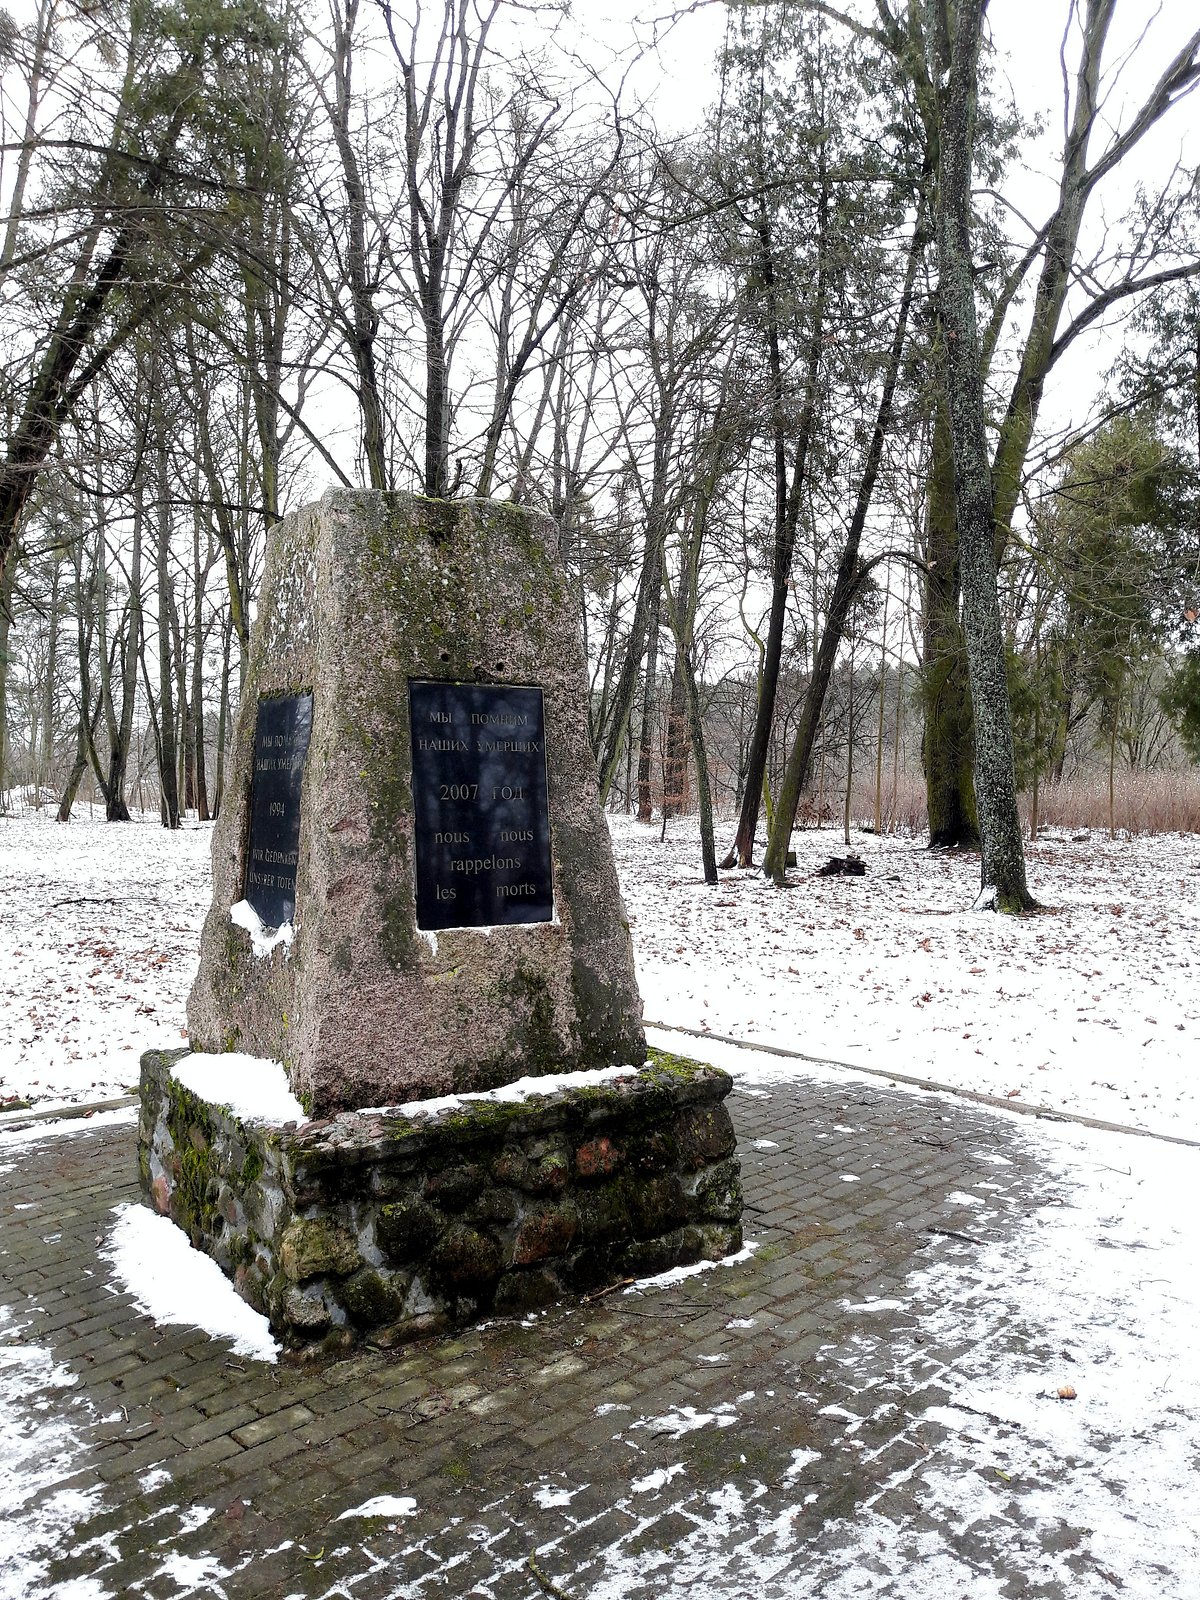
point(547, 1585)
point(953, 1233)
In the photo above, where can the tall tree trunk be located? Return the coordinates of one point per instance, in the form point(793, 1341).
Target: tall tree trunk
point(681, 615)
point(116, 805)
point(952, 816)
point(947, 753)
point(93, 285)
point(85, 742)
point(167, 752)
point(200, 571)
point(898, 730)
point(184, 743)
point(7, 573)
point(882, 710)
point(675, 758)
point(90, 624)
point(35, 80)
point(223, 716)
point(363, 322)
point(850, 731)
point(695, 718)
point(845, 587)
point(46, 761)
point(788, 498)
point(649, 713)
point(1003, 853)
point(616, 721)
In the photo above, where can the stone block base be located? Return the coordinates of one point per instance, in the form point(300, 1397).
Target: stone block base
point(377, 1226)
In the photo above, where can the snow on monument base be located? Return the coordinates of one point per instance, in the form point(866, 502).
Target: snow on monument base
point(390, 1225)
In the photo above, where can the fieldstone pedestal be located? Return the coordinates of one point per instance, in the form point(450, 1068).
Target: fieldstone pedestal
point(414, 896)
point(392, 1225)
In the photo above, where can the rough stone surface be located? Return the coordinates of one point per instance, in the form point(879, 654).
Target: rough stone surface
point(362, 592)
point(376, 1225)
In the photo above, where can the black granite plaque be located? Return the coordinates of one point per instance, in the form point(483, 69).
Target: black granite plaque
point(479, 793)
point(281, 733)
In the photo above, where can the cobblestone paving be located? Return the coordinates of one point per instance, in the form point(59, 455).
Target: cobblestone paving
point(711, 1437)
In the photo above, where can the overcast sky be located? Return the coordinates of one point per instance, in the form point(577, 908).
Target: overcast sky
point(677, 77)
point(679, 81)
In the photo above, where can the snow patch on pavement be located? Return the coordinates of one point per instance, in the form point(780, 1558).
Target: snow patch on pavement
point(673, 1424)
point(153, 1261)
point(41, 1444)
point(657, 1479)
point(37, 1133)
point(663, 1280)
point(382, 1505)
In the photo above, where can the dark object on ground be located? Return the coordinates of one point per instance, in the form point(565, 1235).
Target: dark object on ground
point(843, 867)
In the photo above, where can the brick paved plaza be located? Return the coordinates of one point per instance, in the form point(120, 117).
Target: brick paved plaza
point(712, 1436)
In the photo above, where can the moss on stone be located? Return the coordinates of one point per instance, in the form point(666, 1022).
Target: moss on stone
point(529, 1290)
point(482, 1120)
point(242, 1248)
point(305, 1314)
point(609, 1036)
point(534, 1042)
point(252, 1166)
point(705, 1135)
point(604, 1213)
point(454, 1187)
point(191, 1127)
point(406, 1230)
point(677, 1066)
point(465, 1260)
point(636, 1202)
point(373, 1298)
point(719, 1192)
point(545, 1233)
point(315, 1246)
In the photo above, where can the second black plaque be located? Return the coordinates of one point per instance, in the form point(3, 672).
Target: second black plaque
point(481, 809)
point(281, 732)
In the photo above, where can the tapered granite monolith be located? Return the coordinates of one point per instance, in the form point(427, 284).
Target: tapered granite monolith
point(440, 771)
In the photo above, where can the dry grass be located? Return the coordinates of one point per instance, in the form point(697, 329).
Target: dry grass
point(902, 809)
point(1143, 802)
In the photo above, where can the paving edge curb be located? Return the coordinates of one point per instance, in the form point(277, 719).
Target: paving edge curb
point(1047, 1113)
point(29, 1116)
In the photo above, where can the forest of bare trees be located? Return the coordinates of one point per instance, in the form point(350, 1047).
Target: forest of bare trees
point(779, 378)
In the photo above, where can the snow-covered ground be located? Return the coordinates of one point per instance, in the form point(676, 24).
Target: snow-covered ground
point(99, 942)
point(1076, 1406)
point(1090, 1006)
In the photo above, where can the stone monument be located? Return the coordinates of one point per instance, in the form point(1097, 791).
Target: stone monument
point(414, 900)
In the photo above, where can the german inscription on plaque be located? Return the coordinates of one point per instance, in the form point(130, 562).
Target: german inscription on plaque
point(281, 733)
point(479, 793)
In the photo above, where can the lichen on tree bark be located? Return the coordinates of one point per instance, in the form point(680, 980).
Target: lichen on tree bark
point(1003, 854)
